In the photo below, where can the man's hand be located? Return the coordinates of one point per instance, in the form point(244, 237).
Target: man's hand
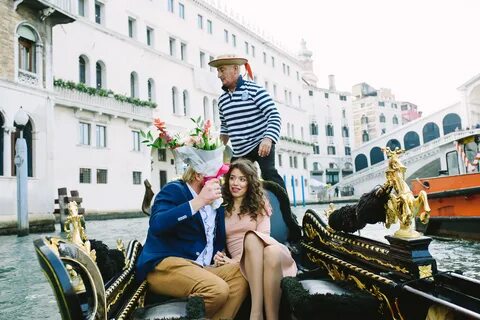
point(265, 147)
point(221, 258)
point(224, 138)
point(210, 192)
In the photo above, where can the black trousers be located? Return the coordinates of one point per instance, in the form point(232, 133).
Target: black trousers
point(266, 164)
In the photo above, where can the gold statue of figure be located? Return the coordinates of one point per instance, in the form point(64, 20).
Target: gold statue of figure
point(75, 230)
point(403, 205)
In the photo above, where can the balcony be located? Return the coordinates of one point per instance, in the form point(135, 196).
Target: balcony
point(294, 145)
point(102, 105)
point(28, 78)
point(58, 11)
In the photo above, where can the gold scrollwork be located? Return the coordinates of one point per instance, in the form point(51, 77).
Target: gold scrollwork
point(336, 274)
point(425, 271)
point(53, 243)
point(312, 233)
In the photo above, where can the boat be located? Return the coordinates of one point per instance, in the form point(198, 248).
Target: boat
point(454, 196)
point(341, 275)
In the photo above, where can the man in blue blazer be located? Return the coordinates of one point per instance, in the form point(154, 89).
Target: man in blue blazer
point(184, 234)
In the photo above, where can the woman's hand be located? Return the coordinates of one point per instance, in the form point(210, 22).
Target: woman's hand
point(221, 258)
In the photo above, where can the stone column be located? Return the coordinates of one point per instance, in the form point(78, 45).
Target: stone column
point(7, 148)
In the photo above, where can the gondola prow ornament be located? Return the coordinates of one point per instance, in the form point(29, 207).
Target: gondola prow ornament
point(403, 206)
point(389, 203)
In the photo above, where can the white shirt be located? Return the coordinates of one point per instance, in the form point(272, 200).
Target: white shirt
point(208, 217)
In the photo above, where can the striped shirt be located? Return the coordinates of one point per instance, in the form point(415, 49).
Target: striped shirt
point(248, 115)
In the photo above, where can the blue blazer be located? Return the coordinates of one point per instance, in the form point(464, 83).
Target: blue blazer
point(174, 231)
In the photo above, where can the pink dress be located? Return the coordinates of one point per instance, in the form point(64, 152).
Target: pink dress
point(236, 228)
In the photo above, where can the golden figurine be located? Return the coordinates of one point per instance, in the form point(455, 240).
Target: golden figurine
point(403, 206)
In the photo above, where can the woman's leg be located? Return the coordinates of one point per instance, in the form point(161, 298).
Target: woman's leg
point(253, 259)
point(272, 276)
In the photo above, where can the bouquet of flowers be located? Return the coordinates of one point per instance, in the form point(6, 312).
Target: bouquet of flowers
point(198, 148)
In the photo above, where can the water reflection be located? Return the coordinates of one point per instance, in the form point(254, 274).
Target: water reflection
point(26, 294)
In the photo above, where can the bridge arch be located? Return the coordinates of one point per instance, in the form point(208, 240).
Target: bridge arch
point(376, 155)
point(451, 122)
point(430, 132)
point(411, 140)
point(361, 162)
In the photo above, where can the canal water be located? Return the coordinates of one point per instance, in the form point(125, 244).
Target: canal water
point(26, 294)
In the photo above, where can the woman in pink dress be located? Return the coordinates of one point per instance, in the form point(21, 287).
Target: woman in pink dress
point(263, 260)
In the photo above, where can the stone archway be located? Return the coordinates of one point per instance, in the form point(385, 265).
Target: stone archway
point(411, 140)
point(430, 132)
point(376, 155)
point(361, 162)
point(451, 122)
point(393, 144)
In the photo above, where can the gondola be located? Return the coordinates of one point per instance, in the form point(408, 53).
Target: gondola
point(341, 275)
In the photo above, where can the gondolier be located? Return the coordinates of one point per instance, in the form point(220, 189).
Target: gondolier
point(248, 116)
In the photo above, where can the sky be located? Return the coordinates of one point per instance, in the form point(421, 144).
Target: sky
point(423, 50)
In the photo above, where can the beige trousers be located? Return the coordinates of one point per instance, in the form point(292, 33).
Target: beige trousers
point(222, 288)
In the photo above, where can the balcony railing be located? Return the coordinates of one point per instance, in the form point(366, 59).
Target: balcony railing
point(28, 78)
point(105, 105)
point(60, 11)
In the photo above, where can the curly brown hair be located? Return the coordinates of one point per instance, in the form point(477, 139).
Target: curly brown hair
point(254, 201)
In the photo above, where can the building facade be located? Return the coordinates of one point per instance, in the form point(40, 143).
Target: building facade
point(26, 80)
point(375, 112)
point(120, 65)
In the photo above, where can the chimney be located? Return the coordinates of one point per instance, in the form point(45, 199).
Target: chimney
point(331, 83)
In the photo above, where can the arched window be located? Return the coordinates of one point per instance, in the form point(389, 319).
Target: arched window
point(376, 155)
point(206, 112)
point(133, 85)
point(313, 129)
point(27, 49)
point(186, 103)
point(175, 100)
point(360, 162)
point(83, 68)
point(395, 120)
point(329, 130)
point(411, 140)
point(365, 136)
point(382, 118)
point(345, 132)
point(430, 132)
point(393, 144)
point(101, 76)
point(364, 119)
point(288, 129)
point(151, 90)
point(216, 116)
point(27, 135)
point(451, 122)
point(293, 131)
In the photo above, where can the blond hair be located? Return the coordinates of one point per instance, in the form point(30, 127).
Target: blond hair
point(189, 175)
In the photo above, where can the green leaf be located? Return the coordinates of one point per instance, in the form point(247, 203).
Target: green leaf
point(149, 135)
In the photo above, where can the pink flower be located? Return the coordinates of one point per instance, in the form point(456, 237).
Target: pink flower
point(159, 124)
point(207, 126)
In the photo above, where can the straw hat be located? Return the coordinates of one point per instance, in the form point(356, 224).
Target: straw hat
point(226, 60)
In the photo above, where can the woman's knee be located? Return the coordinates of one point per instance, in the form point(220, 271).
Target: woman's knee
point(272, 256)
point(251, 241)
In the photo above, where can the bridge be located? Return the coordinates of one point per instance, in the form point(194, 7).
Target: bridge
point(427, 141)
